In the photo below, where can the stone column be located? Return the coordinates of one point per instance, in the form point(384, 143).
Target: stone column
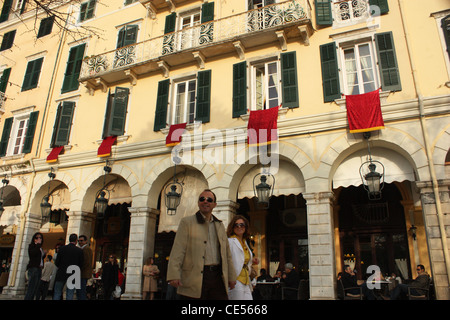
point(322, 266)
point(20, 259)
point(80, 223)
point(225, 210)
point(438, 258)
point(141, 245)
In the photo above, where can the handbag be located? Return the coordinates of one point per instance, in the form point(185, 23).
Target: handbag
point(117, 292)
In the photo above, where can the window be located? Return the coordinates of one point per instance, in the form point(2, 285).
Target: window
point(116, 112)
point(188, 34)
point(63, 124)
point(8, 40)
point(18, 134)
point(272, 82)
point(359, 75)
point(127, 35)
point(357, 62)
point(4, 79)
point(73, 68)
point(21, 5)
point(127, 2)
point(191, 98)
point(87, 10)
point(46, 26)
point(32, 74)
point(265, 85)
point(255, 4)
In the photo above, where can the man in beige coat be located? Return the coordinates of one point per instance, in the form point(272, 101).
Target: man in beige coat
point(200, 263)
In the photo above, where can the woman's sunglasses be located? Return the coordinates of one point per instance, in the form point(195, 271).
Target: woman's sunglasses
point(239, 225)
point(209, 199)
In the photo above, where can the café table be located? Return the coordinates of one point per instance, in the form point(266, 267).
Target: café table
point(265, 290)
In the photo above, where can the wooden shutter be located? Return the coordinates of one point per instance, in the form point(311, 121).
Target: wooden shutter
point(382, 4)
point(239, 89)
point(63, 124)
point(289, 79)
point(387, 62)
point(203, 96)
point(207, 12)
point(127, 35)
point(323, 12)
point(73, 68)
point(90, 9)
point(171, 20)
point(7, 6)
point(330, 72)
point(32, 74)
point(161, 105)
point(5, 136)
point(46, 26)
point(8, 40)
point(118, 112)
point(445, 24)
point(29, 137)
point(4, 80)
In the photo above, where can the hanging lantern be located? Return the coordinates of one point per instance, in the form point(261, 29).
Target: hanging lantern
point(173, 198)
point(46, 206)
point(101, 202)
point(263, 191)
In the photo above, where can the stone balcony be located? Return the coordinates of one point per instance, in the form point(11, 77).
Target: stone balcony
point(236, 34)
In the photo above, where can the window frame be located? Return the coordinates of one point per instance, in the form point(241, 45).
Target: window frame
point(89, 12)
point(253, 67)
point(173, 113)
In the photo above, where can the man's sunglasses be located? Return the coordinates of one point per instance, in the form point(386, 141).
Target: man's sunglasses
point(209, 199)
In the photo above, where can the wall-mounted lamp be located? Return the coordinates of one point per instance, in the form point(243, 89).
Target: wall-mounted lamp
point(5, 182)
point(101, 202)
point(173, 198)
point(46, 206)
point(372, 181)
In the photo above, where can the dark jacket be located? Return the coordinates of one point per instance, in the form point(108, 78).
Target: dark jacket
point(110, 275)
point(421, 282)
point(349, 281)
point(35, 255)
point(68, 255)
point(292, 279)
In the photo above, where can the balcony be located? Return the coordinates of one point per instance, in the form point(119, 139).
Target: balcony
point(238, 33)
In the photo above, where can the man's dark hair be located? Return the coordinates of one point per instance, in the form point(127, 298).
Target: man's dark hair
point(73, 237)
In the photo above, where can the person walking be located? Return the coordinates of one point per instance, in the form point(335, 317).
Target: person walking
point(150, 272)
point(200, 263)
point(35, 265)
point(86, 268)
point(243, 258)
point(110, 276)
point(47, 272)
point(68, 256)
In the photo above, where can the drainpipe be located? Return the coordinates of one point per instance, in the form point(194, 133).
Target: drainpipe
point(23, 217)
point(434, 181)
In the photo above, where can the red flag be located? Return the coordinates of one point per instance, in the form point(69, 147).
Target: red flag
point(53, 156)
point(105, 148)
point(174, 136)
point(364, 112)
point(262, 126)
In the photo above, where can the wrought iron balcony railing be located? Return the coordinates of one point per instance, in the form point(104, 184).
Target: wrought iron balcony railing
point(227, 29)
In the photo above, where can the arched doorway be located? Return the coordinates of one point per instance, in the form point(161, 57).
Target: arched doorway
point(373, 232)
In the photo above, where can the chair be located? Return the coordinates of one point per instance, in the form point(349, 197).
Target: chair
point(344, 294)
point(302, 290)
point(425, 296)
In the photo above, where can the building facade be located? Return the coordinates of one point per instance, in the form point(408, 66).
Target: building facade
point(131, 69)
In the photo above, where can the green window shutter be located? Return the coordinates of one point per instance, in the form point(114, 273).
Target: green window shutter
point(239, 89)
point(382, 4)
point(4, 80)
point(7, 6)
point(330, 72)
point(161, 105)
point(289, 79)
point(87, 10)
point(30, 132)
point(445, 24)
point(171, 20)
point(203, 96)
point(207, 12)
point(387, 62)
point(323, 12)
point(73, 68)
point(5, 136)
point(46, 26)
point(8, 40)
point(32, 74)
point(127, 35)
point(63, 124)
point(118, 112)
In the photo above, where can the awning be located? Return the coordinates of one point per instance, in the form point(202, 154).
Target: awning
point(60, 198)
point(397, 168)
point(120, 192)
point(288, 180)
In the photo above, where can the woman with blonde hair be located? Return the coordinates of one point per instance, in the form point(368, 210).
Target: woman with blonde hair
point(150, 272)
point(243, 259)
